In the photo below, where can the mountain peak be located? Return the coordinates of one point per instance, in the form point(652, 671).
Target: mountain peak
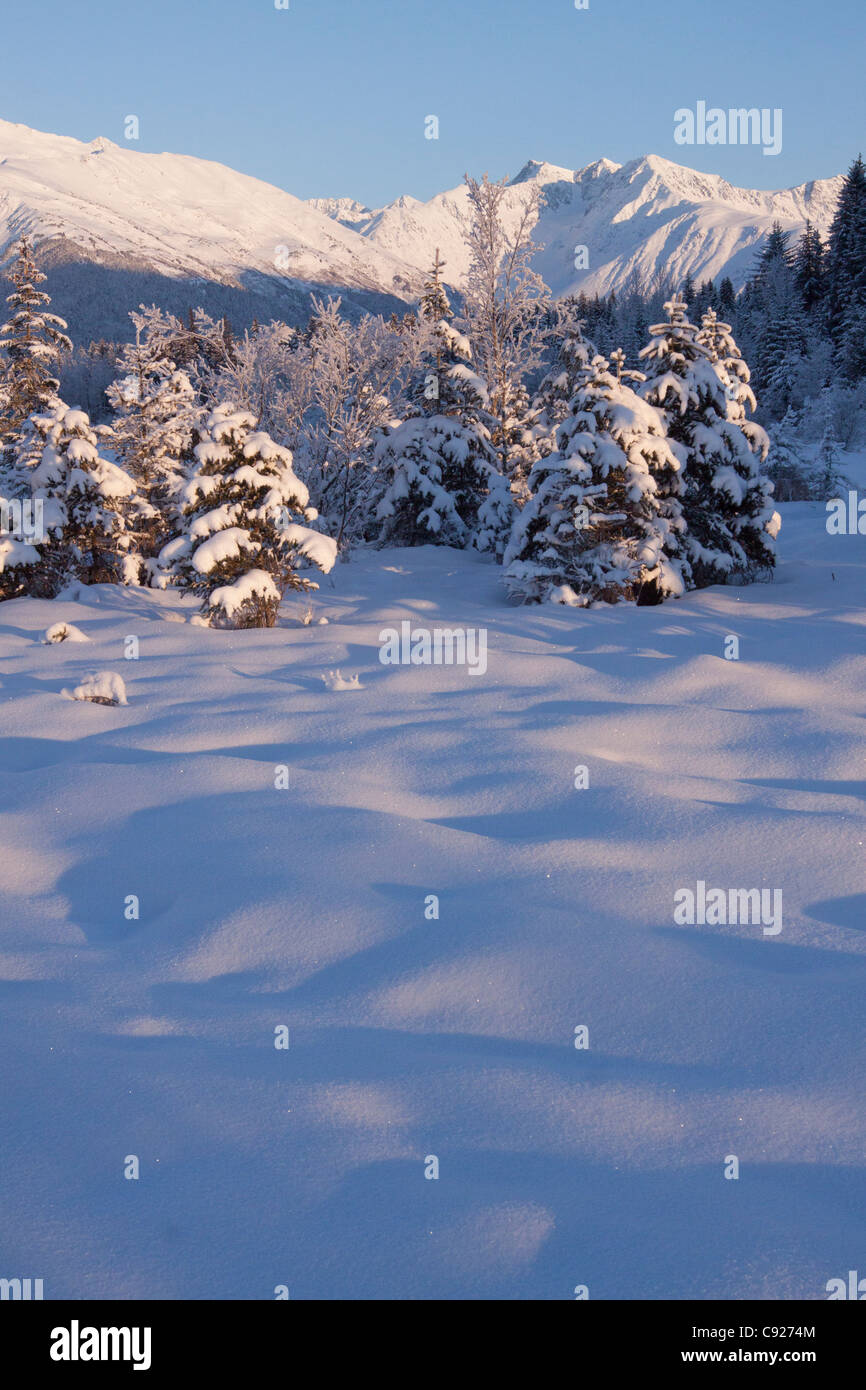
point(542, 172)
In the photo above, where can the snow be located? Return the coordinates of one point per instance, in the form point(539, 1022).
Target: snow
point(648, 216)
point(190, 217)
point(254, 584)
point(103, 687)
point(452, 1035)
point(17, 552)
point(64, 632)
point(315, 545)
point(223, 545)
point(180, 215)
point(335, 680)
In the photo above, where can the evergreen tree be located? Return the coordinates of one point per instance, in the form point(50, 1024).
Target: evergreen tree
point(828, 477)
point(153, 430)
point(786, 467)
point(434, 303)
point(86, 504)
point(243, 535)
point(594, 528)
point(437, 387)
point(704, 299)
point(442, 486)
point(557, 389)
point(725, 497)
point(32, 340)
point(670, 358)
point(846, 251)
point(727, 297)
point(776, 325)
point(439, 481)
point(717, 339)
point(781, 352)
point(809, 269)
point(851, 340)
point(773, 252)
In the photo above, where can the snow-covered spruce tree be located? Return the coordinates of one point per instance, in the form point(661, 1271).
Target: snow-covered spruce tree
point(828, 478)
point(32, 339)
point(442, 486)
point(593, 529)
point(20, 570)
point(516, 435)
point(557, 389)
point(729, 522)
point(775, 326)
point(156, 412)
point(846, 256)
point(434, 304)
point(718, 340)
point(86, 503)
point(243, 535)
point(785, 465)
point(782, 365)
point(439, 477)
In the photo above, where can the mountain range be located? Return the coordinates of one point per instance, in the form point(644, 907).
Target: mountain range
point(116, 227)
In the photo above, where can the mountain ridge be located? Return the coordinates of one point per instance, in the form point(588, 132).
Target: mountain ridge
point(679, 220)
point(117, 226)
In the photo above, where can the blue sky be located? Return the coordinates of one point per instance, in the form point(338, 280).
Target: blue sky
point(330, 96)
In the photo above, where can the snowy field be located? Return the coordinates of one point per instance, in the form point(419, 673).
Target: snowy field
point(412, 1036)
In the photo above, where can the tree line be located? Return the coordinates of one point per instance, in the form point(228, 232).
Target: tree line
point(595, 454)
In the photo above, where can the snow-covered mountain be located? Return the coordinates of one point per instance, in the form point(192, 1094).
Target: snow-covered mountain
point(117, 227)
point(644, 217)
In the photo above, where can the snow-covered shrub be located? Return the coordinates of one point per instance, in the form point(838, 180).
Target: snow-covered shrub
point(102, 688)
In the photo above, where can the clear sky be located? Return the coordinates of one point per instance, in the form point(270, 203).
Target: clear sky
point(329, 97)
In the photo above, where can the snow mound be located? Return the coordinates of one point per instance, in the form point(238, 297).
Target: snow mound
point(64, 632)
point(335, 680)
point(102, 688)
point(563, 593)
